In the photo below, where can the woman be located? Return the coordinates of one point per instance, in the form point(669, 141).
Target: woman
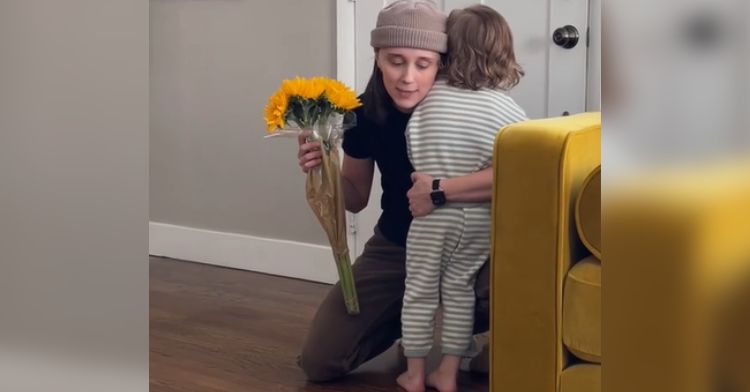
point(409, 39)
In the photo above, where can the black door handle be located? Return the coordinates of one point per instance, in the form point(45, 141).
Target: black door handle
point(566, 37)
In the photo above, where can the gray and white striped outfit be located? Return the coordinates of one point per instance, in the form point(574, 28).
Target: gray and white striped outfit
point(450, 134)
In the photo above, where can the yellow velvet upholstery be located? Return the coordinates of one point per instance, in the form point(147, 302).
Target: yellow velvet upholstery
point(589, 213)
point(582, 310)
point(539, 169)
point(678, 258)
point(581, 378)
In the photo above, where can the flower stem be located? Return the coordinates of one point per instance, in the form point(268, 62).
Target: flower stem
point(346, 281)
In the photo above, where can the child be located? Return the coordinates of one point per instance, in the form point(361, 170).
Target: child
point(450, 134)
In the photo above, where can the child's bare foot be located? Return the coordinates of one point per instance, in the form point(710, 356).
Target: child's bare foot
point(445, 377)
point(411, 382)
point(443, 381)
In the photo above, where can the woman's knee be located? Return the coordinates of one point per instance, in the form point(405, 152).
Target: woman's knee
point(482, 282)
point(321, 364)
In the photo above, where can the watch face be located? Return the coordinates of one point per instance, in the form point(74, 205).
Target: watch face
point(438, 198)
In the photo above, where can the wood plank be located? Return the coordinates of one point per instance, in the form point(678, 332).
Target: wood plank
point(220, 329)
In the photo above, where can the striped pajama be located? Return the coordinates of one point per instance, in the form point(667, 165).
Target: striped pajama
point(450, 134)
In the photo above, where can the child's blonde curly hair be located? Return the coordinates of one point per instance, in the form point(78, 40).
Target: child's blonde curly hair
point(480, 50)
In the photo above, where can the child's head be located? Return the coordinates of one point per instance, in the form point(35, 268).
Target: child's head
point(480, 50)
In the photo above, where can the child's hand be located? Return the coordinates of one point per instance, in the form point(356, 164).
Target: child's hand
point(420, 202)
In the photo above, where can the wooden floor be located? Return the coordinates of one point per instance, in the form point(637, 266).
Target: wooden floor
point(218, 329)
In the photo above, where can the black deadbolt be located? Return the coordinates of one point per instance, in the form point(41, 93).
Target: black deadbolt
point(566, 37)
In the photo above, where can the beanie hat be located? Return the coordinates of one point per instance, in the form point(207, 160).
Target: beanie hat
point(417, 24)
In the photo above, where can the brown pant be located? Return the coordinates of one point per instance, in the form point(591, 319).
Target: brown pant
point(338, 343)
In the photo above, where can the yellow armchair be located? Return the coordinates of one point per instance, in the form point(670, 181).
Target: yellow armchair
point(546, 285)
point(676, 312)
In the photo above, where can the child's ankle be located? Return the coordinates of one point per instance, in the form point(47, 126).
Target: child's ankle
point(415, 366)
point(449, 363)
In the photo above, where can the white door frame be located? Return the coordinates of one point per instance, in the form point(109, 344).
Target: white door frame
point(346, 61)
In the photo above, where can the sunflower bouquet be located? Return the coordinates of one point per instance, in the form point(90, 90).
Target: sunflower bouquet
point(322, 108)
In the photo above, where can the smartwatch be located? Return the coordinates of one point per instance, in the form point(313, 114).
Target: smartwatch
point(437, 194)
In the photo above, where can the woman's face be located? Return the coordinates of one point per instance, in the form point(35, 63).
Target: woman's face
point(408, 74)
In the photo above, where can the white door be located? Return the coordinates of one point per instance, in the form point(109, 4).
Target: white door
point(555, 81)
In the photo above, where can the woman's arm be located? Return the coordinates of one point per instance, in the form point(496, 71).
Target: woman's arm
point(471, 188)
point(356, 174)
point(356, 182)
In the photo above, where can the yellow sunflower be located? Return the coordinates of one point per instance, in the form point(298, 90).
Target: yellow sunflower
point(275, 111)
point(315, 87)
point(305, 88)
point(341, 96)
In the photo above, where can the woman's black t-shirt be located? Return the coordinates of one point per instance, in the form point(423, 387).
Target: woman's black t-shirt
point(386, 145)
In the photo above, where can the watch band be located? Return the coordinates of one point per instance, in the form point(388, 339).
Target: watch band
point(437, 195)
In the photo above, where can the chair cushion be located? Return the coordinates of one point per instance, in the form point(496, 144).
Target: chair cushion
point(582, 313)
point(589, 213)
point(581, 378)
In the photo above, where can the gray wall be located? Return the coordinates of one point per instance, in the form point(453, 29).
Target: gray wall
point(213, 66)
point(73, 195)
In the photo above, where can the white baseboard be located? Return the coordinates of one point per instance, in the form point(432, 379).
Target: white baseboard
point(277, 257)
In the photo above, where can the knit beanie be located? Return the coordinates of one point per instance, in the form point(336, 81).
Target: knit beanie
point(417, 24)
